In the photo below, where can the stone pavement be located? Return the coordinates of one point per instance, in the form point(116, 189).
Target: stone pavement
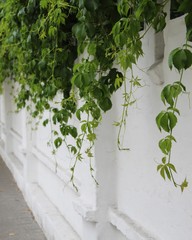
point(16, 220)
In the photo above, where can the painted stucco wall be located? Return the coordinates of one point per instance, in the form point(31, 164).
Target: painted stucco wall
point(132, 202)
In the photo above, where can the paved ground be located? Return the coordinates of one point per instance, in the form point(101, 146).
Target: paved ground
point(16, 220)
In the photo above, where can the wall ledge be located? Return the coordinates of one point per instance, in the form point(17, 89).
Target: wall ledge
point(128, 227)
point(46, 214)
point(86, 212)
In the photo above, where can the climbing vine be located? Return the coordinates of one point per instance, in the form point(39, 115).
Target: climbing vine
point(180, 59)
point(81, 51)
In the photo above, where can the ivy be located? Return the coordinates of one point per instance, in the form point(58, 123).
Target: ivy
point(71, 49)
point(180, 59)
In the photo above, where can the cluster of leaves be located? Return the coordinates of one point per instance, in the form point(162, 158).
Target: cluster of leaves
point(40, 42)
point(70, 49)
point(180, 59)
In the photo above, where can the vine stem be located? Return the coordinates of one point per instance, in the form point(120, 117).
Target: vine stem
point(126, 104)
point(52, 144)
point(78, 156)
point(171, 134)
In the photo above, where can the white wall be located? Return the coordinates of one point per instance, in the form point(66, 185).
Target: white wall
point(132, 201)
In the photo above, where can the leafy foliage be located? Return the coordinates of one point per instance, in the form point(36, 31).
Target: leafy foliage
point(71, 48)
point(180, 59)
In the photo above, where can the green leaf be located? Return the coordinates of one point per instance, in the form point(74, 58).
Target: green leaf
point(58, 141)
point(185, 6)
point(77, 80)
point(91, 48)
point(167, 172)
point(79, 31)
point(158, 119)
point(84, 127)
point(189, 58)
point(162, 172)
point(52, 31)
point(116, 29)
point(166, 95)
point(91, 137)
point(171, 55)
point(171, 138)
point(182, 86)
point(45, 122)
point(73, 131)
point(171, 166)
point(78, 114)
point(159, 167)
point(172, 120)
point(182, 59)
point(118, 82)
point(159, 22)
point(43, 3)
point(164, 122)
point(164, 160)
point(91, 5)
point(105, 104)
point(97, 93)
point(179, 59)
point(165, 146)
point(123, 7)
point(184, 185)
point(73, 150)
point(86, 79)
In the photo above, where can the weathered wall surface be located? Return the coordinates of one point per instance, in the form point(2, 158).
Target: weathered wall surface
point(132, 202)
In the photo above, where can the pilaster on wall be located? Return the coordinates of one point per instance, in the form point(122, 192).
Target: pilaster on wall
point(7, 107)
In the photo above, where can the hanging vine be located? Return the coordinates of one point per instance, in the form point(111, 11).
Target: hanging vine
point(70, 49)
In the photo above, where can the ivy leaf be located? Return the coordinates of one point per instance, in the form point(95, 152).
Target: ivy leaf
point(182, 59)
point(167, 172)
point(188, 22)
point(170, 59)
point(91, 48)
point(165, 145)
point(97, 93)
point(172, 167)
point(73, 131)
point(181, 85)
point(164, 160)
point(179, 59)
point(45, 122)
point(91, 5)
point(166, 95)
point(172, 120)
point(52, 30)
point(78, 114)
point(116, 29)
point(73, 150)
point(158, 119)
point(58, 141)
point(91, 137)
point(118, 82)
point(105, 104)
point(77, 80)
point(159, 22)
point(123, 7)
point(79, 31)
point(162, 172)
point(185, 6)
point(164, 122)
point(171, 138)
point(159, 167)
point(189, 58)
point(184, 185)
point(43, 3)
